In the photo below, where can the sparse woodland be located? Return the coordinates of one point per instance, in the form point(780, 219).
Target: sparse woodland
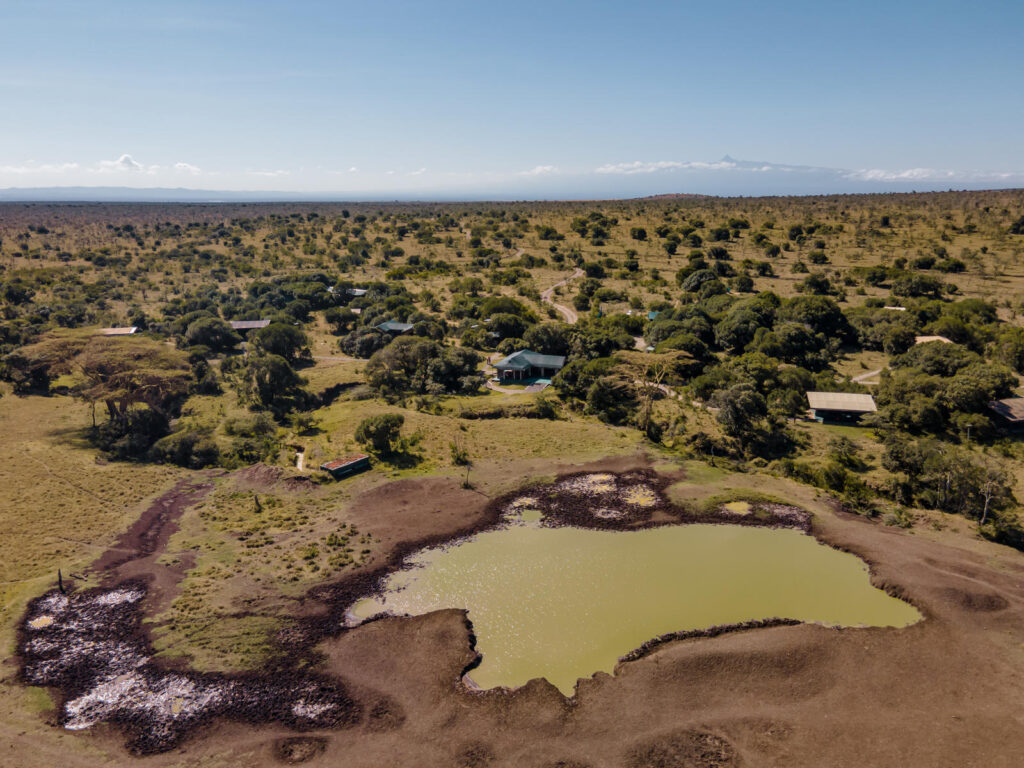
point(737, 307)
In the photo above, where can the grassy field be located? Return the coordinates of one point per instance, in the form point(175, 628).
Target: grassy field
point(60, 504)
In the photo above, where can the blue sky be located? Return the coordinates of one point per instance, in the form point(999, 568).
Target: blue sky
point(476, 98)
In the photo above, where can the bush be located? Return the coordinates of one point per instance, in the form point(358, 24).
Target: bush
point(422, 366)
point(130, 438)
point(382, 433)
point(363, 342)
point(282, 340)
point(186, 449)
point(211, 332)
point(254, 425)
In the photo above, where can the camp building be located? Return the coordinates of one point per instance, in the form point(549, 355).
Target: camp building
point(525, 364)
point(1009, 412)
point(125, 331)
point(349, 465)
point(390, 326)
point(840, 406)
point(248, 325)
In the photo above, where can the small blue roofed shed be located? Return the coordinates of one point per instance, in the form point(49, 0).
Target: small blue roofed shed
point(525, 364)
point(349, 465)
point(390, 326)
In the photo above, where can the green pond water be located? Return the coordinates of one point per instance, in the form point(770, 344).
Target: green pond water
point(563, 603)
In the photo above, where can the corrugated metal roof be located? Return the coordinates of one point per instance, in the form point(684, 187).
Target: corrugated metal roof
point(343, 462)
point(841, 401)
point(394, 327)
point(926, 339)
point(526, 358)
point(127, 331)
point(248, 325)
point(1011, 409)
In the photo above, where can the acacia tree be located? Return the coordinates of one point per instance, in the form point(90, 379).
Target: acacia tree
point(33, 367)
point(649, 376)
point(120, 372)
point(123, 373)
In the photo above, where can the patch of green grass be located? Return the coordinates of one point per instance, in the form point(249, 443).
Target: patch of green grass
point(702, 472)
point(711, 503)
point(38, 699)
point(217, 643)
point(852, 432)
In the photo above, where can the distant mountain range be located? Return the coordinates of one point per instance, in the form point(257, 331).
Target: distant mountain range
point(619, 180)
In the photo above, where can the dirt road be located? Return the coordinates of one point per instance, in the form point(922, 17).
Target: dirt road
point(547, 297)
point(862, 379)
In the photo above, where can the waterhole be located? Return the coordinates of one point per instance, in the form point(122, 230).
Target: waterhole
point(564, 603)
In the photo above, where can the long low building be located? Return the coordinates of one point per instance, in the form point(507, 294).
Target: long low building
point(393, 326)
point(248, 325)
point(124, 331)
point(349, 465)
point(526, 364)
point(840, 406)
point(1009, 411)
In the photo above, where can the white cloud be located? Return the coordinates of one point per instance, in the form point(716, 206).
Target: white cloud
point(418, 172)
point(33, 168)
point(925, 174)
point(270, 174)
point(123, 163)
point(639, 166)
point(540, 170)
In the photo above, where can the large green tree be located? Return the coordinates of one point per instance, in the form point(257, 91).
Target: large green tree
point(381, 433)
point(282, 340)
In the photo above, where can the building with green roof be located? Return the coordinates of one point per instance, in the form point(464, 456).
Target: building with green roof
point(391, 326)
point(526, 364)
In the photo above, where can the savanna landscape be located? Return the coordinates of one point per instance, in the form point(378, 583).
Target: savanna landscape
point(181, 575)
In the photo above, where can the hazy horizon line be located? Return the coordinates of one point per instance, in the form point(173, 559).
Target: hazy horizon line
point(152, 195)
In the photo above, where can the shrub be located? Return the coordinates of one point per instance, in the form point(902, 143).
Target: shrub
point(380, 433)
point(254, 425)
point(186, 449)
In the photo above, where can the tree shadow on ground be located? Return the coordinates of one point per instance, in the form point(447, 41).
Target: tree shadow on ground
point(406, 459)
